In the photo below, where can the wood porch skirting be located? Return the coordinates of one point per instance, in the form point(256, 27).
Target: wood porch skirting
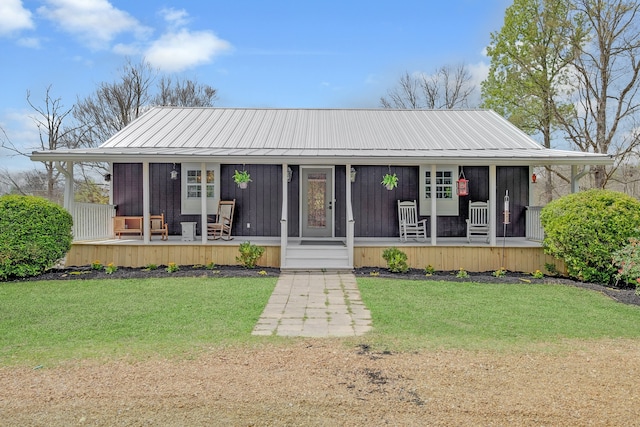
point(444, 258)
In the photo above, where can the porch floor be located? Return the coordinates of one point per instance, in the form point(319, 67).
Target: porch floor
point(509, 242)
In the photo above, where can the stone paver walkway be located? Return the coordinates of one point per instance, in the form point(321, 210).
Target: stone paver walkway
point(309, 304)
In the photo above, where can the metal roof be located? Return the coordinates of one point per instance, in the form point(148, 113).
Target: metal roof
point(312, 135)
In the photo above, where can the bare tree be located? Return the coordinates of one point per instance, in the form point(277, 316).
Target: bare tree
point(448, 88)
point(607, 72)
point(49, 120)
point(184, 93)
point(114, 105)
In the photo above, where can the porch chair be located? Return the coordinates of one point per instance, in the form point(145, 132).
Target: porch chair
point(478, 221)
point(221, 228)
point(158, 226)
point(408, 222)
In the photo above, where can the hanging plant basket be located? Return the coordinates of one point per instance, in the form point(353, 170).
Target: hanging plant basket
point(390, 181)
point(462, 185)
point(242, 178)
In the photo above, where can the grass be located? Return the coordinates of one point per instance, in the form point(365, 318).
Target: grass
point(49, 321)
point(410, 315)
point(46, 322)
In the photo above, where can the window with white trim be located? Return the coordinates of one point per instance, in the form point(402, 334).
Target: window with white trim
point(191, 178)
point(442, 187)
point(194, 181)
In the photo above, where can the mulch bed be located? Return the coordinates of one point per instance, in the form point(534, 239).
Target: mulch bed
point(623, 295)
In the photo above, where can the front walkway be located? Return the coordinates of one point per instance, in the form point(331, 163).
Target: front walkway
point(315, 304)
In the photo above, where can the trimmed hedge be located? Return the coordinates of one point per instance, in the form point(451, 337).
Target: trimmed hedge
point(34, 234)
point(585, 229)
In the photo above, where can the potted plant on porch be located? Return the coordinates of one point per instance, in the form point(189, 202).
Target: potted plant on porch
point(242, 178)
point(390, 181)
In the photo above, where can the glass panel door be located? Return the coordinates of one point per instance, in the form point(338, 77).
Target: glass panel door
point(317, 202)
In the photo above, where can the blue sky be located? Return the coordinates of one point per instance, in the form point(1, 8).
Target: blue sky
point(271, 53)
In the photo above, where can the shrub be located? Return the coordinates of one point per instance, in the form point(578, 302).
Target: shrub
point(396, 260)
point(249, 254)
point(34, 234)
point(585, 229)
point(627, 260)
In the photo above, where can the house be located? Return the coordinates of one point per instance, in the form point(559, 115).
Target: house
point(316, 198)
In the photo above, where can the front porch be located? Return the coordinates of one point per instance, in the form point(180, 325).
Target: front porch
point(512, 253)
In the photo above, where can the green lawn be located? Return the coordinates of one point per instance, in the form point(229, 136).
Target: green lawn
point(43, 323)
point(427, 314)
point(56, 320)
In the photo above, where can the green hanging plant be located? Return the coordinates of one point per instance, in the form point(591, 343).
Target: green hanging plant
point(390, 181)
point(242, 178)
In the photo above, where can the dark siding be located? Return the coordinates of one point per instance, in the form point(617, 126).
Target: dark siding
point(127, 188)
point(516, 180)
point(374, 207)
point(293, 213)
point(340, 205)
point(450, 226)
point(259, 204)
point(165, 196)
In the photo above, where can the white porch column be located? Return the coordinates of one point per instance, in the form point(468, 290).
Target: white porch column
point(284, 228)
point(68, 186)
point(350, 221)
point(434, 208)
point(109, 183)
point(493, 204)
point(532, 199)
point(203, 200)
point(146, 224)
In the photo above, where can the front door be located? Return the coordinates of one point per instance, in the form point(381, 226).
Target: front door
point(317, 202)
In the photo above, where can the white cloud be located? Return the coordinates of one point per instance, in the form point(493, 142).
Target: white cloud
point(95, 22)
point(175, 18)
point(479, 73)
point(183, 49)
point(14, 17)
point(126, 49)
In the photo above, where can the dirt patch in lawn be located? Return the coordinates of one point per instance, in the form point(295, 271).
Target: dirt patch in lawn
point(322, 382)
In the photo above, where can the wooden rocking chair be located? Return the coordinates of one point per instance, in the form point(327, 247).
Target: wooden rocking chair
point(221, 229)
point(158, 226)
point(408, 222)
point(478, 221)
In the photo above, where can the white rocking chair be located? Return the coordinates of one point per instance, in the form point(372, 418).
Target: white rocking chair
point(410, 226)
point(478, 221)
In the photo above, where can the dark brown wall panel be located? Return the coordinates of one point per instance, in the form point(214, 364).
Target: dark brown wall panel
point(516, 180)
point(259, 204)
point(127, 188)
point(375, 208)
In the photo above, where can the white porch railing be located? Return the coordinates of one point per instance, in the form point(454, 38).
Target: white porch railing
point(534, 226)
point(92, 221)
